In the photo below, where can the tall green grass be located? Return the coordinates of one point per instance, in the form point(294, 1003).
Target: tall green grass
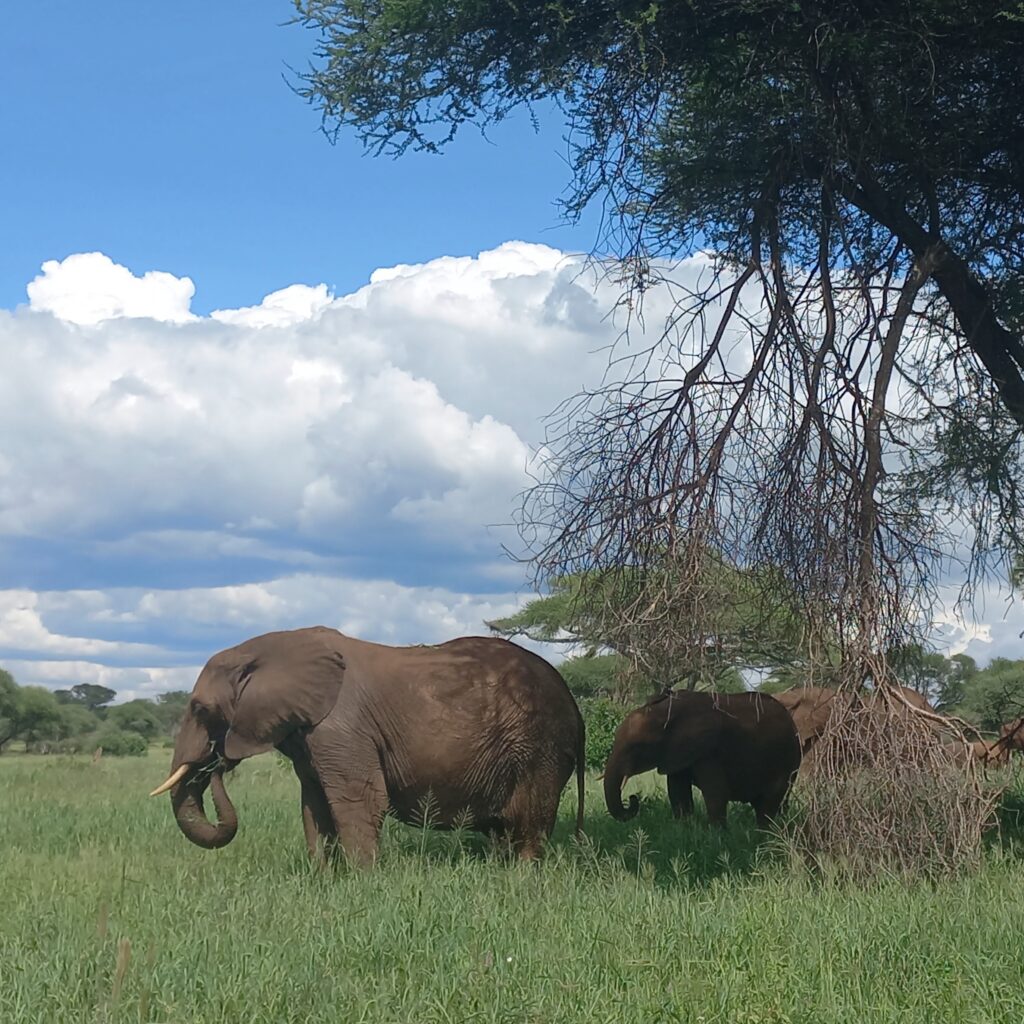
point(109, 915)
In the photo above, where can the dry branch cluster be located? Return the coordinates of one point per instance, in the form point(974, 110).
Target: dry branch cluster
point(882, 791)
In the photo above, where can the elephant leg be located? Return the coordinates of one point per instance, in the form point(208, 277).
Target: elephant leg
point(767, 808)
point(357, 809)
point(680, 794)
point(711, 780)
point(317, 823)
point(530, 815)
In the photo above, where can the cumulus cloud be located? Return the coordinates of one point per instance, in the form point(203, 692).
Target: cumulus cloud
point(171, 483)
point(22, 629)
point(282, 308)
point(89, 287)
point(403, 412)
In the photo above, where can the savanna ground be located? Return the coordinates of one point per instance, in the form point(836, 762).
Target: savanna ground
point(110, 915)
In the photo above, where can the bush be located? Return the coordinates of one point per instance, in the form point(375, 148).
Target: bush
point(119, 743)
point(601, 716)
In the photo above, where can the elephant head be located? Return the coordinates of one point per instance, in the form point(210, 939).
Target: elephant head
point(668, 733)
point(1011, 735)
point(247, 700)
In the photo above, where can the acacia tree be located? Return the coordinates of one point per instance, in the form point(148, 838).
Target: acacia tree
point(597, 612)
point(841, 380)
point(856, 173)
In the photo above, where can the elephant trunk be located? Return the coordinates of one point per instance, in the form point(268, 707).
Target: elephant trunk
point(615, 778)
point(187, 801)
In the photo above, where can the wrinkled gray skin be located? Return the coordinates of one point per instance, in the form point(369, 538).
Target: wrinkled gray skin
point(731, 746)
point(480, 724)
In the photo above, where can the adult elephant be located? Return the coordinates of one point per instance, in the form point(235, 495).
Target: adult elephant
point(477, 729)
point(731, 746)
point(810, 707)
point(813, 706)
point(1011, 737)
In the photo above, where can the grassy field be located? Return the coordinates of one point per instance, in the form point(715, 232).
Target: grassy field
point(109, 914)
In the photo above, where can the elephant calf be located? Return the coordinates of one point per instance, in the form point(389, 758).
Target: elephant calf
point(731, 746)
point(477, 726)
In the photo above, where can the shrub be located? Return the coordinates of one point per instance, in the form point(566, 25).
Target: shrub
point(601, 716)
point(119, 743)
point(882, 794)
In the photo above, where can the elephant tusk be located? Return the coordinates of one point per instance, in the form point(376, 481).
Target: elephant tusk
point(173, 780)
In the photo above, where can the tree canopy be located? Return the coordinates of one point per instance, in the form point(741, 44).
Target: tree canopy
point(660, 641)
point(88, 695)
point(853, 176)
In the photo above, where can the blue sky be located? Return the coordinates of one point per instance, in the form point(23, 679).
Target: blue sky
point(250, 381)
point(165, 135)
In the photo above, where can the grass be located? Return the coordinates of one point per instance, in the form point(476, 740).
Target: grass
point(110, 915)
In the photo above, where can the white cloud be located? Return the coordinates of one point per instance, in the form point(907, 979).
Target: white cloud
point(22, 629)
point(367, 442)
point(89, 287)
point(282, 308)
point(414, 401)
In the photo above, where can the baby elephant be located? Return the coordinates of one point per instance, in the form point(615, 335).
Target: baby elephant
point(731, 746)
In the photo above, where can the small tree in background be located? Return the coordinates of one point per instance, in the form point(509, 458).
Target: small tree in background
point(38, 715)
point(91, 696)
point(8, 708)
point(138, 716)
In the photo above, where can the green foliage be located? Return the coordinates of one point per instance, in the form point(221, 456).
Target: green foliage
point(169, 708)
point(592, 676)
point(8, 707)
point(750, 617)
point(120, 743)
point(995, 694)
point(563, 615)
point(89, 695)
point(601, 716)
point(137, 716)
point(944, 681)
point(38, 714)
point(76, 720)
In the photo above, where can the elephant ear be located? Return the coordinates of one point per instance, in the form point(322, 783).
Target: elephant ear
point(693, 731)
point(286, 681)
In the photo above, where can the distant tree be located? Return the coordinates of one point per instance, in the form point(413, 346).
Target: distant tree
point(76, 720)
point(943, 681)
point(169, 709)
point(38, 714)
point(593, 676)
point(138, 716)
point(698, 644)
point(995, 694)
point(8, 708)
point(88, 695)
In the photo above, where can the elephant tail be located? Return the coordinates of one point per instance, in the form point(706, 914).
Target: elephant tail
point(581, 766)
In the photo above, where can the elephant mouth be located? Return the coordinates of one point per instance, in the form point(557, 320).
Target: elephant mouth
point(196, 770)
